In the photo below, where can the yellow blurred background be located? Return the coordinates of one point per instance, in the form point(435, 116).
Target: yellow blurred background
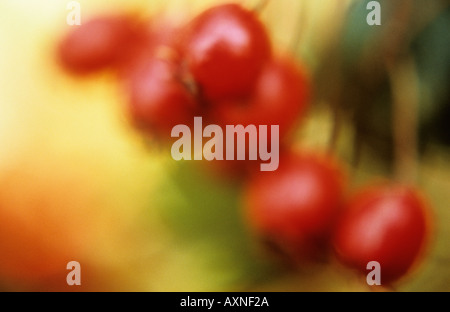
point(77, 182)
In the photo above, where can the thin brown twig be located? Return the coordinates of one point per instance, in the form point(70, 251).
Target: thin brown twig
point(299, 28)
point(402, 75)
point(336, 89)
point(260, 6)
point(404, 84)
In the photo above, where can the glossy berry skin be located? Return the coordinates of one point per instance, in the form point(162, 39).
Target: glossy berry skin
point(225, 48)
point(100, 43)
point(295, 207)
point(159, 40)
point(279, 97)
point(158, 99)
point(383, 223)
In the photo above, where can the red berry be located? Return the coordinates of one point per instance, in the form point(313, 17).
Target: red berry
point(295, 206)
point(387, 224)
point(279, 97)
point(225, 48)
point(158, 99)
point(100, 43)
point(161, 40)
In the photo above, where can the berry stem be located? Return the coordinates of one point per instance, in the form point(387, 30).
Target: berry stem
point(260, 6)
point(404, 83)
point(402, 76)
point(299, 28)
point(334, 71)
point(336, 126)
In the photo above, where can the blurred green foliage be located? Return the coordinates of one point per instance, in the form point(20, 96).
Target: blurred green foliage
point(408, 29)
point(203, 210)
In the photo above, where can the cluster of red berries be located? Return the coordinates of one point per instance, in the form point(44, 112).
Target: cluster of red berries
point(221, 65)
point(303, 210)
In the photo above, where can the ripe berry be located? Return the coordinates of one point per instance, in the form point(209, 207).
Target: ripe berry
point(279, 97)
point(387, 224)
point(295, 206)
point(100, 43)
point(160, 39)
point(225, 48)
point(158, 99)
